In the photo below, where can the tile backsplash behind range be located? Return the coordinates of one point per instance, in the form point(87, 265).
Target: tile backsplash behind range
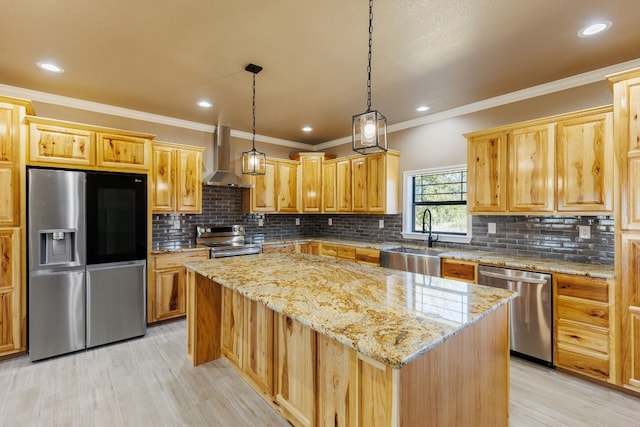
point(548, 237)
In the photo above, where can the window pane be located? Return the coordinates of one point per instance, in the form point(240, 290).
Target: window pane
point(450, 219)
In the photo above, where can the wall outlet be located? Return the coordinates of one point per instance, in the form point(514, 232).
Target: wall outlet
point(260, 222)
point(175, 225)
point(584, 231)
point(491, 228)
point(381, 223)
point(330, 221)
point(297, 221)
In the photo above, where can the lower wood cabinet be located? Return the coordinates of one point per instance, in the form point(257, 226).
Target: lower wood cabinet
point(582, 325)
point(247, 338)
point(281, 248)
point(295, 370)
point(166, 293)
point(352, 253)
point(311, 248)
point(466, 271)
point(11, 312)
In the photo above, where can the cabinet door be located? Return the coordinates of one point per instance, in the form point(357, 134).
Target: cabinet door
point(343, 185)
point(585, 164)
point(487, 170)
point(164, 179)
point(287, 185)
point(376, 183)
point(232, 325)
point(170, 293)
point(189, 181)
point(629, 296)
point(359, 184)
point(329, 190)
point(263, 195)
point(10, 313)
point(311, 185)
point(60, 145)
point(258, 350)
point(120, 151)
point(295, 374)
point(9, 172)
point(531, 153)
point(334, 368)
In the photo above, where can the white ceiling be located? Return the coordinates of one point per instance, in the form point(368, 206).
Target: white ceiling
point(162, 56)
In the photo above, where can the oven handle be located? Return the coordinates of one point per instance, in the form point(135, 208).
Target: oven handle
point(531, 280)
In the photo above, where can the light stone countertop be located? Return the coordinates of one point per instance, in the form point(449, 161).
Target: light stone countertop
point(389, 315)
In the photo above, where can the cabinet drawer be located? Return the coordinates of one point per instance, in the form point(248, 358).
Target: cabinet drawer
point(459, 270)
point(177, 259)
point(582, 335)
point(368, 256)
point(590, 364)
point(328, 250)
point(579, 310)
point(284, 248)
point(345, 252)
point(582, 287)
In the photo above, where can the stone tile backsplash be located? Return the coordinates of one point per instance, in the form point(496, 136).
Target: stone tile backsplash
point(547, 237)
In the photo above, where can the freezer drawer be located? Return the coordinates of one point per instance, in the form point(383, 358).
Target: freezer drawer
point(116, 303)
point(56, 312)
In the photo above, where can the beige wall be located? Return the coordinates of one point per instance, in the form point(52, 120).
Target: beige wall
point(432, 145)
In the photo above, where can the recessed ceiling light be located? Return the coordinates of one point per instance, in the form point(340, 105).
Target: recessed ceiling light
point(595, 28)
point(307, 129)
point(422, 108)
point(205, 104)
point(50, 66)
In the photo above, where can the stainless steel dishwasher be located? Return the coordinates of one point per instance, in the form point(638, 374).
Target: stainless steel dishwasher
point(531, 328)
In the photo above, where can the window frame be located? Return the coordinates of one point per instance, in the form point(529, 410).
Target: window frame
point(407, 217)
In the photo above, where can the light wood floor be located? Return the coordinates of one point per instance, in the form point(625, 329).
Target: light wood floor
point(150, 382)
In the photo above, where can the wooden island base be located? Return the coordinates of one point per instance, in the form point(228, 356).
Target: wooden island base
point(314, 380)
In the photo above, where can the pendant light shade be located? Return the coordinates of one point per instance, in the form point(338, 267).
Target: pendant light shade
point(369, 129)
point(253, 161)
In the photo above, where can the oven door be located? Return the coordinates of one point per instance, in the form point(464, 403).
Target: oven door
point(116, 205)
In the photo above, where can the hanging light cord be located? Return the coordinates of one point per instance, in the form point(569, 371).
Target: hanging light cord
point(253, 139)
point(369, 57)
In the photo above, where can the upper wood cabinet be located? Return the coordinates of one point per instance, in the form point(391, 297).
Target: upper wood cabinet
point(176, 178)
point(287, 186)
point(311, 180)
point(531, 153)
point(316, 183)
point(486, 170)
point(585, 162)
point(58, 143)
point(11, 168)
point(375, 182)
point(561, 164)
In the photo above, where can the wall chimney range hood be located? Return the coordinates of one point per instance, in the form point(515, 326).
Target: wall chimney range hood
point(222, 175)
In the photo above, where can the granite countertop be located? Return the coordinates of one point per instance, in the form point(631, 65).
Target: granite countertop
point(389, 315)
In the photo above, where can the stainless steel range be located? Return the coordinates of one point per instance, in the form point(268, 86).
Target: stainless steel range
point(225, 241)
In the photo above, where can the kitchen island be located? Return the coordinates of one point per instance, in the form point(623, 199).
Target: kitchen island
point(332, 342)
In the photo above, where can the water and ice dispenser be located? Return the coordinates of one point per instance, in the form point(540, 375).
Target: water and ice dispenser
point(57, 247)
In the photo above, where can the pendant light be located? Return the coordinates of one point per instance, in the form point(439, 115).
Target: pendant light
point(369, 128)
point(253, 161)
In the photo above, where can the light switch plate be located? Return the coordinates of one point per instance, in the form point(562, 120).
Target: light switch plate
point(260, 222)
point(381, 223)
point(584, 231)
point(297, 221)
point(491, 228)
point(330, 221)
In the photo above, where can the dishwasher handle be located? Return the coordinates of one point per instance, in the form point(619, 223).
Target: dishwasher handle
point(531, 280)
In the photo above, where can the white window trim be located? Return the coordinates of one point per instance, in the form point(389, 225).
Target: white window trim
point(407, 177)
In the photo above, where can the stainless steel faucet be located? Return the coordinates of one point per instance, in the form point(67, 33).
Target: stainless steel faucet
point(430, 239)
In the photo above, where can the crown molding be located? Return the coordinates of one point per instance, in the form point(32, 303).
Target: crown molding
point(509, 98)
point(271, 140)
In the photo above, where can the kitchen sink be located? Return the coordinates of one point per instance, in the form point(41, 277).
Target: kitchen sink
point(423, 261)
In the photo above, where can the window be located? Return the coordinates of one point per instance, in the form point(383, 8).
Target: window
point(441, 194)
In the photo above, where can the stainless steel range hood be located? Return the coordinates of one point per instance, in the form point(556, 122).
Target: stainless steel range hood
point(222, 175)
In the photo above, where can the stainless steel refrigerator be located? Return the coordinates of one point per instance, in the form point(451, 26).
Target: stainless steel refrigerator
point(87, 286)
